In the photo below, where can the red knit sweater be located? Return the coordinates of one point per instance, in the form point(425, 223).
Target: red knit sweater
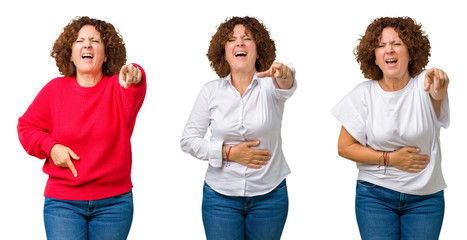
point(96, 123)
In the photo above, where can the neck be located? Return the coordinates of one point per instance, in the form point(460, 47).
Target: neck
point(241, 80)
point(89, 80)
point(392, 84)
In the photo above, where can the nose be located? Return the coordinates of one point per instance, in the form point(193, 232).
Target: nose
point(87, 44)
point(389, 48)
point(240, 42)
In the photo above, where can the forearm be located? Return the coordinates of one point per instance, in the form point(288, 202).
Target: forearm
point(437, 103)
point(438, 95)
point(133, 97)
point(36, 141)
point(203, 149)
point(351, 149)
point(405, 158)
point(361, 154)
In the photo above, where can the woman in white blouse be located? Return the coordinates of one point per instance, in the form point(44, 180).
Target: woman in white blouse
point(390, 128)
point(245, 194)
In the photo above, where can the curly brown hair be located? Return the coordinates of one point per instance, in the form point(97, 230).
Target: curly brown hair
point(265, 46)
point(115, 50)
point(410, 33)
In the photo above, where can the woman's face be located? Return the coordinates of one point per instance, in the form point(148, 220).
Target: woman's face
point(240, 50)
point(392, 55)
point(88, 51)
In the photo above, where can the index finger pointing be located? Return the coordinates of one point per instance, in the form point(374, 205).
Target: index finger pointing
point(129, 78)
point(436, 81)
point(124, 69)
point(267, 73)
point(429, 78)
point(72, 167)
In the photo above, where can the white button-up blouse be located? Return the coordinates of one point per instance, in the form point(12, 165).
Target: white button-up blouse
point(232, 119)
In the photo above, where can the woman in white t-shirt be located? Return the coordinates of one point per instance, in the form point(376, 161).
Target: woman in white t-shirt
point(390, 128)
point(245, 192)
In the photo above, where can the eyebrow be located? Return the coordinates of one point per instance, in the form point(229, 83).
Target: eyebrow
point(93, 37)
point(242, 36)
point(392, 41)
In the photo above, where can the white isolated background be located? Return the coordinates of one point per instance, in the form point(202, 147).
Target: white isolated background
point(170, 40)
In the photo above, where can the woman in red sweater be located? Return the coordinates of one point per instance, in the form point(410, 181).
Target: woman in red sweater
point(82, 124)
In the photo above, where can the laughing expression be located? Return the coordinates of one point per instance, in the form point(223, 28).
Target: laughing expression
point(392, 55)
point(88, 51)
point(240, 50)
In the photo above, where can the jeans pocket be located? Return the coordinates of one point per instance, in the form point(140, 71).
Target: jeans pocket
point(208, 189)
point(281, 186)
point(206, 186)
point(366, 184)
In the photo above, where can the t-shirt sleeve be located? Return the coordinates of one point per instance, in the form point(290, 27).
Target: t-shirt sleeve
point(351, 112)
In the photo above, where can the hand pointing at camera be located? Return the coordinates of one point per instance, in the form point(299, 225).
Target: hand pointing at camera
point(436, 82)
point(129, 74)
point(281, 73)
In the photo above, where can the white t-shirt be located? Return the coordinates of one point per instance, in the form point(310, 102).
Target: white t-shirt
point(387, 121)
point(233, 119)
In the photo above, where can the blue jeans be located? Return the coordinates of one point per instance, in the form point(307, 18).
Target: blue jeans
point(245, 218)
point(108, 218)
point(384, 214)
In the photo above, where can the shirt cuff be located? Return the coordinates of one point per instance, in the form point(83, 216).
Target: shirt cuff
point(215, 154)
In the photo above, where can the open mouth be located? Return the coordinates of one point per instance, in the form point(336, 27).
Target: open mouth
point(393, 61)
point(240, 54)
point(87, 56)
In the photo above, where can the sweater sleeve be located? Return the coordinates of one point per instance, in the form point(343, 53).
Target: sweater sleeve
point(132, 98)
point(35, 125)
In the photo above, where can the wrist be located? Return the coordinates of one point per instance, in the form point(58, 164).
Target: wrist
point(224, 154)
point(385, 160)
point(227, 154)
